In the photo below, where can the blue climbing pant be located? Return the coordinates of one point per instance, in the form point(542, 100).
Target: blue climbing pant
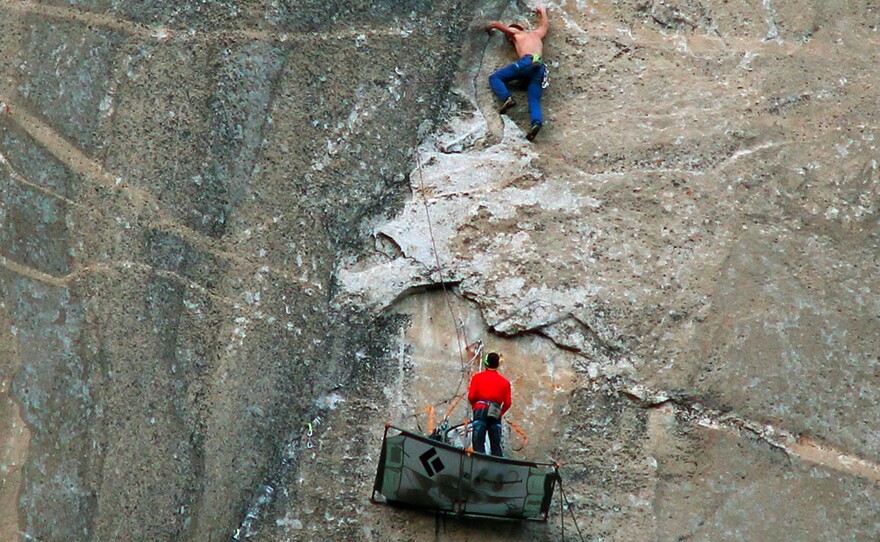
point(524, 70)
point(481, 427)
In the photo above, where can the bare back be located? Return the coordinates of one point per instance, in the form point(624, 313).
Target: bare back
point(525, 43)
point(528, 43)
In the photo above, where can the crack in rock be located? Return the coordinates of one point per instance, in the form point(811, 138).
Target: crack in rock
point(795, 446)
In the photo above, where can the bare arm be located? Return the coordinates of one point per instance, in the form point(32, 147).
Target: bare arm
point(543, 21)
point(495, 25)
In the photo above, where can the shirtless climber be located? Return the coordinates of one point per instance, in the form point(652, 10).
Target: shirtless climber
point(529, 68)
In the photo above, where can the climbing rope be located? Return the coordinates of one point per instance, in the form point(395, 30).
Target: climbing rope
point(466, 370)
point(467, 367)
point(562, 505)
point(459, 329)
point(522, 435)
point(455, 399)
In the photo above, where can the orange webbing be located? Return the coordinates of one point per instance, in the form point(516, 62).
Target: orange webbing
point(458, 399)
point(519, 432)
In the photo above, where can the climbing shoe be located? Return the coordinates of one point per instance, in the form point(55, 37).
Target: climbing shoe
point(508, 103)
point(533, 131)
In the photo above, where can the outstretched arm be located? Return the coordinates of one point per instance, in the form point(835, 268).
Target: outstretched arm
point(495, 25)
point(543, 21)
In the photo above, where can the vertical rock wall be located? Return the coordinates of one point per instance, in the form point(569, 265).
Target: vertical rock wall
point(698, 223)
point(178, 182)
point(223, 226)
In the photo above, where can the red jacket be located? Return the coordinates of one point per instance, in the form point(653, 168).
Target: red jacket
point(490, 386)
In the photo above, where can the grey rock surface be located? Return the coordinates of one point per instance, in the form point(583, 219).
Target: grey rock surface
point(237, 238)
point(173, 205)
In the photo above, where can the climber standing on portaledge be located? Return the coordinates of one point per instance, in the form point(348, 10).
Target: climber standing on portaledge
point(489, 396)
point(529, 68)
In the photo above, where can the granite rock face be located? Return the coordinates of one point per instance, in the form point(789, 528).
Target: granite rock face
point(236, 238)
point(177, 183)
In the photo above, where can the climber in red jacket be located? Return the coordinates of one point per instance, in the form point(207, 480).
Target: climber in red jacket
point(489, 396)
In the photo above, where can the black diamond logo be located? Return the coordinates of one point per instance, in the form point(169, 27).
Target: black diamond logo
point(431, 461)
